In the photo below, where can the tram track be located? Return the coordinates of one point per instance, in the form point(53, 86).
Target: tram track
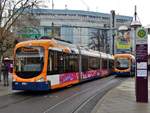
point(89, 104)
point(74, 99)
point(86, 96)
point(11, 103)
point(14, 98)
point(21, 96)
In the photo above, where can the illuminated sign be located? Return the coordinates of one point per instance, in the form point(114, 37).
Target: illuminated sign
point(29, 50)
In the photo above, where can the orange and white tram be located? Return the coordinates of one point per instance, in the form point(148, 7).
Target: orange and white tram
point(49, 64)
point(124, 64)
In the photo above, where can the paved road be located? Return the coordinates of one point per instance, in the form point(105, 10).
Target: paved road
point(76, 99)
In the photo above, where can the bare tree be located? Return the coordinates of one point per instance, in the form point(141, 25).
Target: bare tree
point(27, 27)
point(10, 11)
point(95, 41)
point(26, 20)
point(98, 40)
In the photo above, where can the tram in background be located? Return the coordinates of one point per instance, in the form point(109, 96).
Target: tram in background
point(49, 64)
point(124, 65)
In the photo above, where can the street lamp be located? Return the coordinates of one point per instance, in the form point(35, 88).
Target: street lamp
point(52, 30)
point(135, 24)
point(112, 27)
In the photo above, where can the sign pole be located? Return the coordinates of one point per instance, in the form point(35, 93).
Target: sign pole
point(141, 65)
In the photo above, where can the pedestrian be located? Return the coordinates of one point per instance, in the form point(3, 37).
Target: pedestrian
point(0, 72)
point(5, 73)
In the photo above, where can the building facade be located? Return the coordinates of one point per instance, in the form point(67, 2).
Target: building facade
point(80, 27)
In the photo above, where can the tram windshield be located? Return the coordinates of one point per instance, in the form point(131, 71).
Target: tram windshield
point(122, 63)
point(29, 61)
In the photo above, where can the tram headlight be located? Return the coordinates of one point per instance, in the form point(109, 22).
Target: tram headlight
point(40, 80)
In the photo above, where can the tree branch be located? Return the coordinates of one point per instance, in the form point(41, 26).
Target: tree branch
point(14, 8)
point(14, 20)
point(17, 12)
point(14, 13)
point(18, 8)
point(2, 6)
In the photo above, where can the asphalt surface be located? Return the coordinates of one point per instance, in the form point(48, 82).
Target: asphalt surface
point(80, 98)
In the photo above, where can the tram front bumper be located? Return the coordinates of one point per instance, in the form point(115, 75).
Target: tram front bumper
point(122, 73)
point(33, 86)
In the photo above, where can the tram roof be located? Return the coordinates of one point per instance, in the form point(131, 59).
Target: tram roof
point(103, 55)
point(58, 45)
point(125, 55)
point(110, 56)
point(90, 53)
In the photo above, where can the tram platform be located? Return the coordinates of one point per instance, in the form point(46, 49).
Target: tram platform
point(5, 90)
point(122, 99)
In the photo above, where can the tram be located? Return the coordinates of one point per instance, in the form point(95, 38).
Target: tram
point(124, 65)
point(49, 64)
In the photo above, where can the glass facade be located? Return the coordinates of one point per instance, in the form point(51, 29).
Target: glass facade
point(84, 28)
point(67, 33)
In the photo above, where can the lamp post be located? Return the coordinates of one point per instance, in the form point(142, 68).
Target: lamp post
point(52, 4)
point(135, 24)
point(52, 21)
point(112, 27)
point(52, 30)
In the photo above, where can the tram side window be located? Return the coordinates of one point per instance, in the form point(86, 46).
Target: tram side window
point(71, 63)
point(94, 63)
point(66, 62)
point(59, 62)
point(104, 63)
point(54, 62)
point(84, 63)
point(111, 64)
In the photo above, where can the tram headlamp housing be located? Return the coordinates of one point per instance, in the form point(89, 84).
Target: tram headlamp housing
point(40, 80)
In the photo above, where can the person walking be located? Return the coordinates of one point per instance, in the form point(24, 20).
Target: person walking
point(0, 72)
point(5, 73)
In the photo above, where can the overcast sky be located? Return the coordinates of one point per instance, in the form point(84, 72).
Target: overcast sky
point(122, 7)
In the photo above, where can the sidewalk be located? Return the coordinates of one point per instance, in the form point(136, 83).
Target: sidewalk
point(122, 99)
point(4, 90)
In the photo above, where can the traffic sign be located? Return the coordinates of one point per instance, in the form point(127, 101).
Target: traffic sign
point(141, 35)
